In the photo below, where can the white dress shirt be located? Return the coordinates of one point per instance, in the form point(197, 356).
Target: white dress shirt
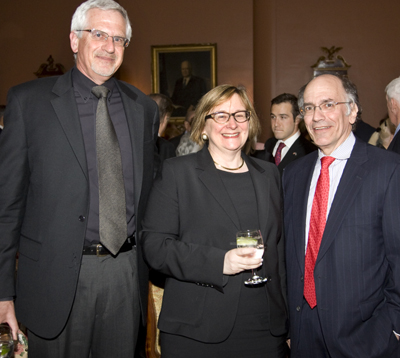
point(341, 155)
point(288, 142)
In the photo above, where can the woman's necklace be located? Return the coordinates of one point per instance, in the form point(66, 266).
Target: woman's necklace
point(241, 165)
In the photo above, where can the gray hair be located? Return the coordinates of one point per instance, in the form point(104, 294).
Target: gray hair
point(351, 91)
point(393, 89)
point(79, 19)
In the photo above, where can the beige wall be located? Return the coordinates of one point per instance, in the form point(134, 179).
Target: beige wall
point(31, 32)
point(295, 32)
point(266, 45)
point(229, 23)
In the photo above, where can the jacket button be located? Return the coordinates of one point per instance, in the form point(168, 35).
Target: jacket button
point(298, 308)
point(81, 218)
point(302, 278)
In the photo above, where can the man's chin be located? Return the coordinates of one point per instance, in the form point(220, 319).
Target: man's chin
point(105, 72)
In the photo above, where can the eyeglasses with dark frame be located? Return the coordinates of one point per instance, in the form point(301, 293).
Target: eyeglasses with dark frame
point(223, 117)
point(99, 35)
point(325, 107)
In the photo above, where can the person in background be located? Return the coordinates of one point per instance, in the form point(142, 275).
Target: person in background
point(2, 110)
point(186, 144)
point(393, 104)
point(342, 227)
point(165, 148)
point(287, 144)
point(383, 136)
point(76, 167)
point(210, 195)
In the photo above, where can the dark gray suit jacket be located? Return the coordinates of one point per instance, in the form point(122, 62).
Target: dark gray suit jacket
point(190, 224)
point(357, 272)
point(44, 193)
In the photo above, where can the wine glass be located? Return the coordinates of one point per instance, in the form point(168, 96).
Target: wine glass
point(252, 238)
point(6, 342)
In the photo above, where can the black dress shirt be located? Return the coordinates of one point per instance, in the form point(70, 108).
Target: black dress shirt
point(87, 106)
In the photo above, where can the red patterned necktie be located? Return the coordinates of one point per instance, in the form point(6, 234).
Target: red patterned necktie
point(278, 154)
point(317, 227)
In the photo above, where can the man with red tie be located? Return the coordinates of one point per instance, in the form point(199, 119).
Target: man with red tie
point(287, 144)
point(342, 228)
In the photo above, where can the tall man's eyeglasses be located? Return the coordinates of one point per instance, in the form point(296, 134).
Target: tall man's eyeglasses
point(102, 36)
point(223, 117)
point(309, 109)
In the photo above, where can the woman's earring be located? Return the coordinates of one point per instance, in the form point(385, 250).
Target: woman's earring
point(205, 137)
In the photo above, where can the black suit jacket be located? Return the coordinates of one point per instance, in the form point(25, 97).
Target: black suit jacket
point(357, 272)
point(176, 140)
point(165, 149)
point(299, 148)
point(394, 145)
point(190, 224)
point(45, 195)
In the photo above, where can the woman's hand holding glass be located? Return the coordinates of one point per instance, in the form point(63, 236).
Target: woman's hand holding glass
point(241, 259)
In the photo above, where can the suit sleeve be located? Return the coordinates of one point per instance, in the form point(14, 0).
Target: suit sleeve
point(163, 248)
point(14, 179)
point(391, 235)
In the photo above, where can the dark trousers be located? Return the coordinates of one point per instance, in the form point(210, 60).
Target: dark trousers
point(311, 339)
point(105, 316)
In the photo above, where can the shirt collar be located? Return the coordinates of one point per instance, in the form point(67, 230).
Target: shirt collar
point(342, 152)
point(397, 129)
point(289, 142)
point(83, 85)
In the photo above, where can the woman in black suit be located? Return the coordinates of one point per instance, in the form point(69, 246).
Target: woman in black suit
point(196, 206)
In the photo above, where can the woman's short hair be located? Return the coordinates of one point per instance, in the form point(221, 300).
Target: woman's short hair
point(214, 98)
point(79, 19)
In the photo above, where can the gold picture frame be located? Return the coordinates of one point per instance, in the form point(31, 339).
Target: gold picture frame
point(167, 73)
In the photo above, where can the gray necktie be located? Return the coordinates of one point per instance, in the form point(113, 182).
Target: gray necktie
point(112, 205)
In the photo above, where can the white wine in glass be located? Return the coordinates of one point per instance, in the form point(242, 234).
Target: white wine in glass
point(252, 238)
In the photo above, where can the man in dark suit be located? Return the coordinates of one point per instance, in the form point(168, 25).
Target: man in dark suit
point(287, 144)
point(393, 104)
point(187, 91)
point(186, 133)
point(165, 148)
point(342, 228)
point(74, 296)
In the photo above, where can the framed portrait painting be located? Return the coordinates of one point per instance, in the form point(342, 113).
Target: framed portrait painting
point(184, 73)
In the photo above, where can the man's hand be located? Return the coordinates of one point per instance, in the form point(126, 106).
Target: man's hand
point(7, 314)
point(238, 260)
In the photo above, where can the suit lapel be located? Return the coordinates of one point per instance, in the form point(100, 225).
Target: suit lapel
point(291, 155)
point(347, 191)
point(67, 112)
point(135, 117)
point(210, 178)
